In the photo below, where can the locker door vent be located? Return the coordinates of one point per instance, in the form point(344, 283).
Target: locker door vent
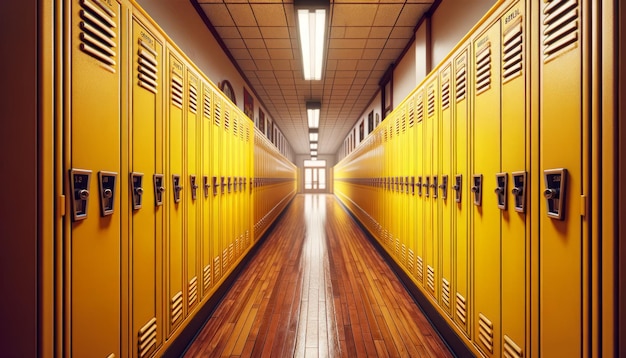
point(431, 100)
point(147, 338)
point(241, 131)
point(206, 277)
point(411, 113)
point(461, 309)
point(97, 37)
point(247, 134)
point(560, 27)
point(420, 108)
point(397, 248)
point(207, 106)
point(177, 92)
point(461, 82)
point(231, 252)
point(147, 65)
point(235, 126)
point(225, 259)
point(397, 122)
point(403, 122)
point(445, 94)
point(512, 57)
point(403, 255)
point(176, 307)
point(445, 292)
point(218, 113)
point(411, 261)
point(485, 332)
point(217, 267)
point(238, 246)
point(511, 350)
point(420, 269)
point(193, 291)
point(483, 69)
point(430, 278)
point(226, 119)
point(193, 99)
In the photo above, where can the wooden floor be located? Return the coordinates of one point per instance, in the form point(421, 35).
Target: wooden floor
point(317, 288)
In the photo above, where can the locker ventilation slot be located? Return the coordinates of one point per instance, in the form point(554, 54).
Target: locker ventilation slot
point(461, 309)
point(217, 267)
point(485, 332)
point(247, 134)
point(445, 95)
point(207, 106)
point(218, 113)
point(231, 252)
point(147, 66)
point(193, 291)
point(226, 119)
point(411, 262)
point(511, 350)
point(461, 83)
point(512, 57)
point(235, 127)
point(97, 36)
point(483, 69)
point(397, 126)
point(403, 122)
point(206, 276)
point(237, 247)
point(420, 269)
point(445, 292)
point(560, 31)
point(397, 248)
point(420, 108)
point(431, 101)
point(147, 338)
point(430, 278)
point(411, 113)
point(177, 307)
point(403, 254)
point(193, 99)
point(177, 92)
point(225, 259)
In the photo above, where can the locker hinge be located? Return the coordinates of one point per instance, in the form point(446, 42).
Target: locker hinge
point(583, 205)
point(61, 205)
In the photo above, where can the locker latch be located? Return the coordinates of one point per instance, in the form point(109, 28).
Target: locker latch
point(216, 184)
point(159, 189)
point(235, 184)
point(501, 192)
point(406, 185)
point(426, 186)
point(223, 185)
point(79, 187)
point(412, 185)
point(399, 184)
point(177, 187)
point(555, 181)
point(136, 181)
point(519, 191)
point(435, 186)
point(206, 185)
point(444, 187)
point(419, 186)
point(477, 189)
point(194, 187)
point(107, 180)
point(241, 185)
point(230, 184)
point(457, 187)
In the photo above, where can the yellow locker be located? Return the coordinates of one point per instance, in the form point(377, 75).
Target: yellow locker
point(192, 195)
point(147, 187)
point(93, 151)
point(402, 171)
point(217, 176)
point(431, 171)
point(445, 201)
point(514, 139)
point(460, 192)
point(563, 165)
point(486, 214)
point(411, 194)
point(226, 199)
point(419, 186)
point(175, 181)
point(207, 197)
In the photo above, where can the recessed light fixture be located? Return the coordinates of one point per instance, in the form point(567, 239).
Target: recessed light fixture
point(313, 136)
point(311, 17)
point(314, 146)
point(313, 114)
point(314, 153)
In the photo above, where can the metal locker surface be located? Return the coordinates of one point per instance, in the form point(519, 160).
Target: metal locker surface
point(419, 180)
point(486, 217)
point(94, 129)
point(207, 190)
point(431, 170)
point(192, 121)
point(216, 222)
point(147, 157)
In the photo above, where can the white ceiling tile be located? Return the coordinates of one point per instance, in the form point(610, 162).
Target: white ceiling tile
point(387, 14)
point(347, 43)
point(242, 14)
point(380, 32)
point(270, 14)
point(275, 32)
point(344, 54)
point(254, 43)
point(354, 14)
point(357, 32)
point(280, 53)
point(250, 32)
point(259, 53)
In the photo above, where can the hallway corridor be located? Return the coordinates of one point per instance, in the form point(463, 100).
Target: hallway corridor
point(317, 288)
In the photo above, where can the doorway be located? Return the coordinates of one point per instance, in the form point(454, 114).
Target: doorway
point(315, 176)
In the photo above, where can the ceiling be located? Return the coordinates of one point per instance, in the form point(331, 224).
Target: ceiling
point(365, 38)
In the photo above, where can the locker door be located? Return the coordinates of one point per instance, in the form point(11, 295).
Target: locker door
point(217, 224)
point(147, 206)
point(431, 170)
point(486, 215)
point(402, 172)
point(411, 195)
point(94, 125)
point(445, 199)
point(462, 198)
point(514, 141)
point(563, 228)
point(175, 196)
point(419, 186)
point(192, 195)
point(207, 195)
point(226, 200)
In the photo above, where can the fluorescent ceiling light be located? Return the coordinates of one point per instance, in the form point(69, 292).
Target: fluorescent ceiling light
point(314, 153)
point(313, 136)
point(312, 27)
point(313, 114)
point(314, 146)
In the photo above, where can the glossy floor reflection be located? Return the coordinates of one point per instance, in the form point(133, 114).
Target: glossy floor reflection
point(317, 288)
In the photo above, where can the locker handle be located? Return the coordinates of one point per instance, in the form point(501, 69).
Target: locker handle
point(551, 193)
point(499, 190)
point(138, 190)
point(161, 189)
point(475, 189)
point(108, 193)
point(82, 194)
point(456, 187)
point(517, 191)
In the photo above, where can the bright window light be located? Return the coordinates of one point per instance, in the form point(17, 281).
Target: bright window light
point(312, 26)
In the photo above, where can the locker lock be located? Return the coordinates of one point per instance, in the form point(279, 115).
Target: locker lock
point(107, 182)
point(406, 185)
point(519, 192)
point(206, 185)
point(177, 187)
point(79, 187)
point(230, 183)
point(215, 185)
point(194, 187)
point(223, 184)
point(555, 181)
point(501, 192)
point(419, 185)
point(426, 186)
point(444, 187)
point(457, 187)
point(136, 180)
point(159, 189)
point(435, 186)
point(477, 184)
point(412, 185)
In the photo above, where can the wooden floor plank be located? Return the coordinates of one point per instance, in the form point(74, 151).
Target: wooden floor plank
point(317, 288)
